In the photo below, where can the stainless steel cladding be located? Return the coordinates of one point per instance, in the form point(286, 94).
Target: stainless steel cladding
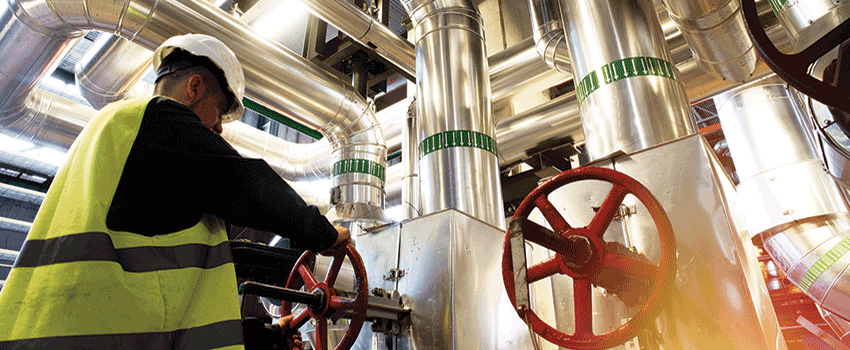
point(630, 93)
point(720, 300)
point(48, 120)
point(548, 32)
point(279, 79)
point(458, 166)
point(518, 70)
point(717, 35)
point(793, 206)
point(807, 21)
point(453, 283)
point(110, 69)
point(366, 31)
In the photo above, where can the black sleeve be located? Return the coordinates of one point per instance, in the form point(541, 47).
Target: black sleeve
point(178, 170)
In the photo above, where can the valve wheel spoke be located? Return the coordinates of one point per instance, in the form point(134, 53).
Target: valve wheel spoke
point(307, 276)
point(300, 320)
point(340, 303)
point(627, 265)
point(333, 272)
point(600, 222)
point(322, 333)
point(551, 214)
point(822, 46)
point(583, 307)
point(542, 270)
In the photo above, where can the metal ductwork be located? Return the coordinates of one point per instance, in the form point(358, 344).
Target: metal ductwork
point(807, 21)
point(458, 166)
point(630, 93)
point(549, 36)
point(518, 69)
point(794, 208)
point(278, 78)
point(110, 70)
point(366, 31)
point(717, 35)
point(48, 120)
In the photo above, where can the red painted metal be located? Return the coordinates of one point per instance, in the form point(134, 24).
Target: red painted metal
point(332, 302)
point(662, 275)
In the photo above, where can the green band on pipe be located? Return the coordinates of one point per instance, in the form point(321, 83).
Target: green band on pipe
point(622, 69)
point(776, 5)
point(457, 138)
point(256, 107)
point(348, 166)
point(824, 263)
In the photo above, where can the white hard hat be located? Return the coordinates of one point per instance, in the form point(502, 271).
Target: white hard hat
point(212, 48)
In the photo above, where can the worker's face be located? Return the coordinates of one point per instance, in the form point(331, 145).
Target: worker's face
point(210, 104)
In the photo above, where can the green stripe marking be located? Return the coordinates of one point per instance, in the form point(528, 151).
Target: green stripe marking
point(457, 138)
point(348, 166)
point(824, 263)
point(776, 5)
point(622, 69)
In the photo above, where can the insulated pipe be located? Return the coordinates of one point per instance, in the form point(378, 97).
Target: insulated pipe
point(458, 163)
point(630, 93)
point(410, 189)
point(717, 35)
point(794, 208)
point(48, 120)
point(366, 31)
point(518, 69)
point(110, 69)
point(807, 21)
point(279, 79)
point(548, 33)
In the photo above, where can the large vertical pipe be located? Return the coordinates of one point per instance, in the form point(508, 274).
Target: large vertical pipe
point(717, 35)
point(793, 206)
point(458, 166)
point(630, 93)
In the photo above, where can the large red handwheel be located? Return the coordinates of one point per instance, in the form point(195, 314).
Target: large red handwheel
point(331, 303)
point(661, 276)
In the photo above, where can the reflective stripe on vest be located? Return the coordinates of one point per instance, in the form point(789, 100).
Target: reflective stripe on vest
point(78, 284)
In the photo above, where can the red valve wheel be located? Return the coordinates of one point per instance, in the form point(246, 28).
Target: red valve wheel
point(331, 302)
point(660, 275)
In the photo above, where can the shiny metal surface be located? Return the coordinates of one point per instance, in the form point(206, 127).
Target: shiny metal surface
point(792, 203)
point(48, 120)
point(410, 189)
point(557, 122)
point(636, 111)
point(765, 129)
point(365, 30)
point(453, 285)
point(380, 251)
point(720, 300)
point(518, 70)
point(548, 33)
point(29, 52)
point(279, 79)
point(110, 70)
point(453, 94)
point(717, 34)
point(806, 21)
point(840, 326)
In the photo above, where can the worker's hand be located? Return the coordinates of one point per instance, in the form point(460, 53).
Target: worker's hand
point(343, 238)
point(293, 336)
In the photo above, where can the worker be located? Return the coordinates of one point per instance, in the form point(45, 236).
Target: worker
point(129, 249)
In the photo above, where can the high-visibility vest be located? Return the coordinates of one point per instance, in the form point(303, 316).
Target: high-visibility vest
point(76, 284)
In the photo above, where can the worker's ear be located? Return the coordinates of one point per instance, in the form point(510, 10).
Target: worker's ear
point(195, 88)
